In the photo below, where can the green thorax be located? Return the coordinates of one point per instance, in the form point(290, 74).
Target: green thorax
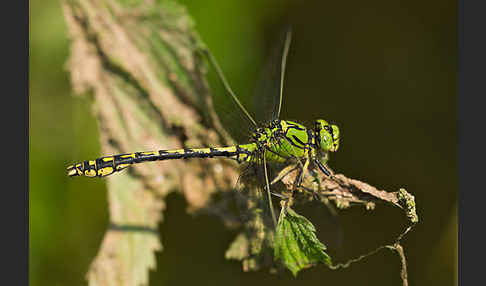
point(281, 140)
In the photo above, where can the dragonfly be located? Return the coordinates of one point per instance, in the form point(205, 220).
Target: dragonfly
point(271, 140)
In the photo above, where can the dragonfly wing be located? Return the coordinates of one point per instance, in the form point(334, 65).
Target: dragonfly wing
point(269, 89)
point(268, 95)
point(234, 116)
point(268, 192)
point(254, 184)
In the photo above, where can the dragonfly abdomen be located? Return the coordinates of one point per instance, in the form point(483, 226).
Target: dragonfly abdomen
point(108, 165)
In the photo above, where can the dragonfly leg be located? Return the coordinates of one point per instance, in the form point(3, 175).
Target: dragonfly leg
point(323, 168)
point(282, 174)
point(282, 196)
point(302, 172)
point(314, 194)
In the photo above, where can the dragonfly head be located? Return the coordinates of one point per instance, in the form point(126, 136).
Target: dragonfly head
point(327, 136)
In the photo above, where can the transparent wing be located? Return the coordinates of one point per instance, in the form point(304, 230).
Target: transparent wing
point(254, 184)
point(268, 191)
point(268, 94)
point(235, 122)
point(269, 89)
point(234, 116)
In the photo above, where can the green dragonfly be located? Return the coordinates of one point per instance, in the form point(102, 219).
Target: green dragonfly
point(271, 141)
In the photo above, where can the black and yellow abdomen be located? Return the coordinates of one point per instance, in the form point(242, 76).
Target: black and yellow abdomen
point(105, 166)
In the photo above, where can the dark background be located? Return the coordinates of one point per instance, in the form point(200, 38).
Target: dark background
point(384, 71)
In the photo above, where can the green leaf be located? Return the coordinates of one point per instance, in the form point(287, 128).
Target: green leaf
point(296, 244)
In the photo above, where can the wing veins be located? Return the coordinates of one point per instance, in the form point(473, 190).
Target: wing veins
point(288, 39)
point(221, 76)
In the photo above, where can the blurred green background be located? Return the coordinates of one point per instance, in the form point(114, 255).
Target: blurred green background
point(384, 71)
